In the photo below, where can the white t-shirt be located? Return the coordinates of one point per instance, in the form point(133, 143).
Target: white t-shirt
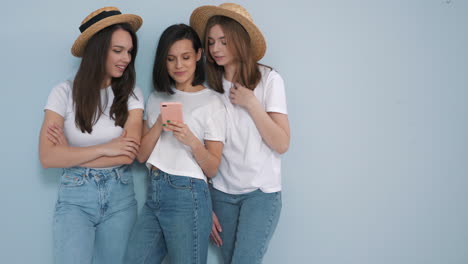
point(247, 163)
point(205, 115)
point(61, 101)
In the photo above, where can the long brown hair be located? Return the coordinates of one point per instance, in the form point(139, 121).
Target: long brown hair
point(238, 42)
point(90, 77)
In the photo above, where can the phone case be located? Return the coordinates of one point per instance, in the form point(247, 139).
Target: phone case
point(171, 111)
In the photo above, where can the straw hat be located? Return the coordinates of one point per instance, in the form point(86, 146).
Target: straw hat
point(200, 17)
point(100, 19)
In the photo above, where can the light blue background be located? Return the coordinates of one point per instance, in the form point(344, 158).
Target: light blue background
point(378, 164)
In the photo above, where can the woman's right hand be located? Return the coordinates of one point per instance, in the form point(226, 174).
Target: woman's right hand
point(215, 230)
point(121, 146)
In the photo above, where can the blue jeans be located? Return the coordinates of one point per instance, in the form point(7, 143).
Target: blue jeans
point(248, 222)
point(95, 212)
point(175, 221)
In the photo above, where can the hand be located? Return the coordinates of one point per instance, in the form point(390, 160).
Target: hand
point(241, 95)
point(182, 133)
point(215, 230)
point(55, 135)
point(121, 146)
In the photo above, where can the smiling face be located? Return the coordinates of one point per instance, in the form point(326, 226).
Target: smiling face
point(217, 43)
point(181, 62)
point(119, 55)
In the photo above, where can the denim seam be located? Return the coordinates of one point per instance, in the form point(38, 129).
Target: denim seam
point(270, 224)
point(195, 221)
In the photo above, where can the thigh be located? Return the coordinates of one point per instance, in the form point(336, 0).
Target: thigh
point(146, 244)
point(186, 219)
point(258, 217)
point(74, 235)
point(112, 236)
point(227, 208)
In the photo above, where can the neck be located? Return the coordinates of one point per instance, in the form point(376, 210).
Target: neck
point(187, 87)
point(106, 83)
point(229, 72)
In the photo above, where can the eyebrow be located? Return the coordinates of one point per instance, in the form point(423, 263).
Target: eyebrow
point(185, 53)
point(223, 37)
point(119, 46)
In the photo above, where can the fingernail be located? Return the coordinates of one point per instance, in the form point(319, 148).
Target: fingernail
point(164, 124)
point(168, 121)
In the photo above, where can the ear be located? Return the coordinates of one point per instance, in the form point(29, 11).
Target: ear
point(199, 53)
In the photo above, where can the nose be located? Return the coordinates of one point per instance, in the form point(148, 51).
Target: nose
point(215, 46)
point(178, 63)
point(127, 57)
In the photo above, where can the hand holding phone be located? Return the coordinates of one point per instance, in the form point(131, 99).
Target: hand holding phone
point(171, 111)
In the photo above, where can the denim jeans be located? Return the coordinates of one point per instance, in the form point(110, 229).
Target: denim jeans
point(175, 221)
point(248, 222)
point(95, 212)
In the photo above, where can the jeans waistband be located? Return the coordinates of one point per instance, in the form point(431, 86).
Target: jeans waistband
point(92, 172)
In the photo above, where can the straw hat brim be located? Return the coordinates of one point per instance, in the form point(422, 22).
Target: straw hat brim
point(200, 16)
point(80, 43)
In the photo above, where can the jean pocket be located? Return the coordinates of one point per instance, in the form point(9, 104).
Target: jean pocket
point(180, 182)
point(72, 180)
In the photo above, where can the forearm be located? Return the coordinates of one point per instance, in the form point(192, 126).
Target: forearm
point(208, 161)
point(148, 142)
point(272, 134)
point(61, 156)
point(104, 162)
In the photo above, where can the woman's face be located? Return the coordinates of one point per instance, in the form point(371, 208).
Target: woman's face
point(181, 61)
point(218, 46)
point(118, 56)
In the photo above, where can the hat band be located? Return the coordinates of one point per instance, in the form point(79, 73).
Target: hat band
point(98, 18)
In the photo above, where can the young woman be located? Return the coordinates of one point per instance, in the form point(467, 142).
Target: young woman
point(246, 192)
point(177, 216)
point(92, 129)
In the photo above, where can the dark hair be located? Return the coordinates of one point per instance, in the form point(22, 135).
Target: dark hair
point(238, 42)
point(90, 77)
point(161, 80)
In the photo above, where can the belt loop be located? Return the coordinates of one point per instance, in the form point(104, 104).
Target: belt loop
point(87, 172)
point(117, 172)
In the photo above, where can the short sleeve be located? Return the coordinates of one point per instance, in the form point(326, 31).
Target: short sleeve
point(58, 98)
point(275, 95)
point(216, 126)
point(137, 101)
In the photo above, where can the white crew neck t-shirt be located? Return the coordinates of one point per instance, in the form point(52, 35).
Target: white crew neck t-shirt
point(247, 163)
point(205, 115)
point(104, 130)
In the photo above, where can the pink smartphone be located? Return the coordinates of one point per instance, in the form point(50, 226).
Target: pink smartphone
point(171, 111)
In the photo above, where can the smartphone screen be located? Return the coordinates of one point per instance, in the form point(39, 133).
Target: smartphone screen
point(171, 111)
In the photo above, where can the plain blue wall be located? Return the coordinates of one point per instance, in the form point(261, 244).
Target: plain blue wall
point(377, 169)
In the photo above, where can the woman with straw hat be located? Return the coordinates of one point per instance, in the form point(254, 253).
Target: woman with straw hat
point(92, 129)
point(246, 191)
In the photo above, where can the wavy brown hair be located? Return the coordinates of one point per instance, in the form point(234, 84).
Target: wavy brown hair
point(238, 43)
point(90, 77)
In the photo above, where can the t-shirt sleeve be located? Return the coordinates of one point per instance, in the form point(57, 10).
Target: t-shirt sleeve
point(58, 98)
point(275, 95)
point(137, 101)
point(216, 126)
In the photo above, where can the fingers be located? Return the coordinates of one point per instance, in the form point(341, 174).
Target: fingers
point(52, 139)
point(214, 235)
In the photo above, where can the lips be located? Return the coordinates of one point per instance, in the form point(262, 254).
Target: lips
point(121, 68)
point(179, 73)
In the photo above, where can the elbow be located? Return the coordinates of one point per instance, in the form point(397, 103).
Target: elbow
point(282, 149)
point(141, 159)
point(45, 162)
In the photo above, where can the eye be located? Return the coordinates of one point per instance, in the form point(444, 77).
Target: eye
point(186, 57)
point(117, 50)
point(223, 42)
point(170, 59)
point(210, 43)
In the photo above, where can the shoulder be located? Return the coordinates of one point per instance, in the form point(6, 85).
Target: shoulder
point(269, 74)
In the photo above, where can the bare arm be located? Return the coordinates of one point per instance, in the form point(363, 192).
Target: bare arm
point(207, 155)
point(149, 140)
point(132, 129)
point(273, 127)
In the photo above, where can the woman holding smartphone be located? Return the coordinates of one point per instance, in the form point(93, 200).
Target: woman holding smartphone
point(92, 129)
point(246, 192)
point(176, 218)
